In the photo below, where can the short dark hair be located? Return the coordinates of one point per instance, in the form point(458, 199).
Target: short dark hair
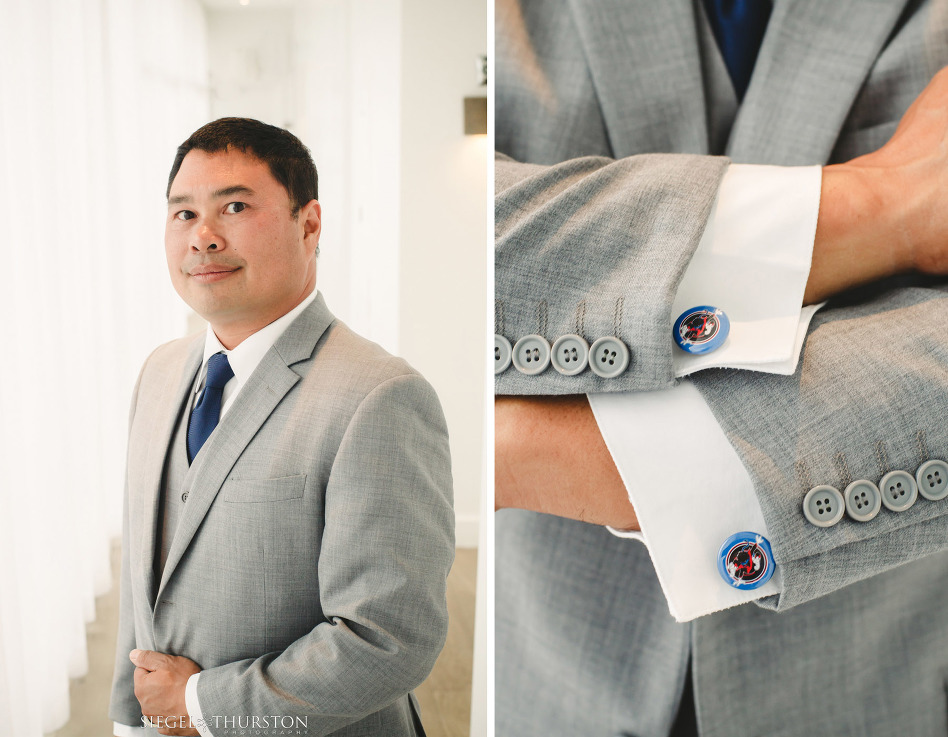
point(289, 160)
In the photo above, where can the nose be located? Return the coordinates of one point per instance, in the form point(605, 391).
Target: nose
point(206, 238)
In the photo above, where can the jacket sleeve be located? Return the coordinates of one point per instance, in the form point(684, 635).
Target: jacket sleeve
point(867, 399)
point(387, 547)
point(123, 706)
point(596, 247)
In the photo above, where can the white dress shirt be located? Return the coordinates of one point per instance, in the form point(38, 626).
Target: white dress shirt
point(244, 360)
point(753, 262)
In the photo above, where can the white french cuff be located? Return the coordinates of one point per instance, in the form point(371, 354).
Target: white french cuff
point(753, 262)
point(193, 706)
point(689, 489)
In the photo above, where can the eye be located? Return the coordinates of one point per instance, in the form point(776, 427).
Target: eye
point(183, 215)
point(233, 208)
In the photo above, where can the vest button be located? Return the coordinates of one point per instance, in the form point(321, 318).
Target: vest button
point(184, 497)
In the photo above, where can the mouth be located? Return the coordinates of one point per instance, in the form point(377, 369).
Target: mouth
point(210, 273)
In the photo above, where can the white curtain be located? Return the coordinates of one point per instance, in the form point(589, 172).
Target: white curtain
point(94, 97)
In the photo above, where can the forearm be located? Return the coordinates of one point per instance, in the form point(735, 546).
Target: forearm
point(859, 238)
point(884, 213)
point(550, 457)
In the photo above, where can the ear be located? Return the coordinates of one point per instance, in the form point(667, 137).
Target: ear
point(311, 221)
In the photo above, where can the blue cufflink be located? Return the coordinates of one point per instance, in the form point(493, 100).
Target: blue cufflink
point(746, 560)
point(701, 329)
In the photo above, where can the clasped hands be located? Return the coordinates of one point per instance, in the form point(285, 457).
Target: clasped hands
point(160, 682)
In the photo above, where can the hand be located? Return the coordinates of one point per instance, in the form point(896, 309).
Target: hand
point(885, 213)
point(550, 457)
point(160, 682)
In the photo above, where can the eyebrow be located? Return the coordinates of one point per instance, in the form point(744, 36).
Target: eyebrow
point(225, 192)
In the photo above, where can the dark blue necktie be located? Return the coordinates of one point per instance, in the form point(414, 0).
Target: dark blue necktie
point(207, 413)
point(738, 27)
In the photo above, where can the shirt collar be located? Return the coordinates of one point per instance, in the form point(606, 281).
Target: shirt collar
point(245, 358)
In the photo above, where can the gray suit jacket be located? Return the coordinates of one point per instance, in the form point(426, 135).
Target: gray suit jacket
point(307, 575)
point(617, 121)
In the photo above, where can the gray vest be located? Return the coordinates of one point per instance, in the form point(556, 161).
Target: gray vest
point(175, 486)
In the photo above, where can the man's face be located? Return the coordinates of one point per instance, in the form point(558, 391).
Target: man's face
point(236, 254)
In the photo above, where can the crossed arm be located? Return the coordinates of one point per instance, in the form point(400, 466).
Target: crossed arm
point(881, 214)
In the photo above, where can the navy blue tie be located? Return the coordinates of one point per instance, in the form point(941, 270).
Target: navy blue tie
point(738, 27)
point(207, 413)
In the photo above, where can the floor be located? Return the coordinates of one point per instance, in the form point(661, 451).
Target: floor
point(445, 697)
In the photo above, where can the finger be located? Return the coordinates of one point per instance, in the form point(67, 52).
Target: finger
point(148, 659)
point(138, 675)
point(139, 686)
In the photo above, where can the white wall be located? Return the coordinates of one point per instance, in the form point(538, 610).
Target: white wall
point(252, 70)
point(375, 89)
point(347, 54)
point(443, 267)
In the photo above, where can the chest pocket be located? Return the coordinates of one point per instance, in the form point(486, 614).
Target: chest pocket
point(257, 491)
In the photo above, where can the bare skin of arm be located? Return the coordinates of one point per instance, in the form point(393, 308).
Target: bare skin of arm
point(550, 457)
point(881, 214)
point(884, 213)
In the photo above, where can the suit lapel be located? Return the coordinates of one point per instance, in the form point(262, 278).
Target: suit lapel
point(812, 64)
point(171, 398)
point(264, 390)
point(645, 64)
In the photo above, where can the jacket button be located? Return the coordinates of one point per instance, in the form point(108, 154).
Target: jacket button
point(531, 355)
point(932, 480)
point(823, 505)
point(899, 490)
point(570, 354)
point(609, 357)
point(863, 500)
point(184, 496)
point(502, 353)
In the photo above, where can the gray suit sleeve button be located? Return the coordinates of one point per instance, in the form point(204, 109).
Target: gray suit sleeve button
point(531, 355)
point(502, 353)
point(899, 490)
point(863, 500)
point(609, 357)
point(823, 505)
point(932, 478)
point(570, 354)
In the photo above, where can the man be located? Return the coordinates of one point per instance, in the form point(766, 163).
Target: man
point(614, 117)
point(288, 510)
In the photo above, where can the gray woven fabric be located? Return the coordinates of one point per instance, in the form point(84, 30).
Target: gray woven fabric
point(307, 573)
point(175, 482)
point(615, 125)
